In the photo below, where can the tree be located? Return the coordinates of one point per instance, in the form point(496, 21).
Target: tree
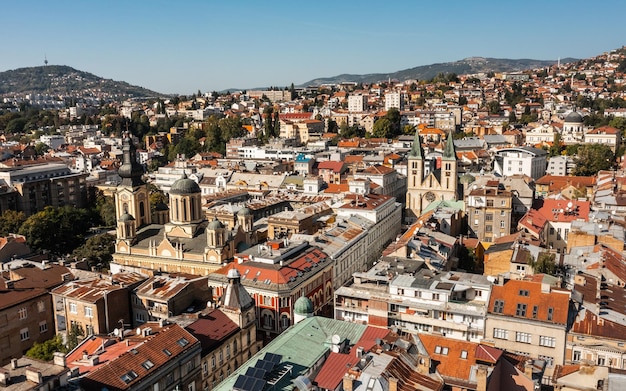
point(11, 221)
point(58, 230)
point(494, 107)
point(97, 251)
point(592, 158)
point(41, 149)
point(74, 336)
point(382, 128)
point(544, 264)
point(45, 351)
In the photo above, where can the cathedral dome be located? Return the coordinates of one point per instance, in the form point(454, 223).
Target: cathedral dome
point(185, 186)
point(215, 224)
point(303, 306)
point(574, 117)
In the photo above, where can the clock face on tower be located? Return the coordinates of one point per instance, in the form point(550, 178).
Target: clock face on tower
point(125, 197)
point(430, 196)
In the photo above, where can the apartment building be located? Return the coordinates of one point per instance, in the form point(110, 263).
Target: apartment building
point(357, 103)
point(489, 210)
point(44, 184)
point(408, 295)
point(530, 317)
point(521, 160)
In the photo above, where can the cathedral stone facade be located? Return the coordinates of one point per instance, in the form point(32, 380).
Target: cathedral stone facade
point(184, 241)
point(430, 181)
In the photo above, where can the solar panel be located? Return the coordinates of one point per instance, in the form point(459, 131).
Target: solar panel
point(273, 358)
point(255, 372)
point(265, 365)
point(247, 383)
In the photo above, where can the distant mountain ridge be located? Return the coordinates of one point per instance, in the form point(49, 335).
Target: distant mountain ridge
point(470, 65)
point(63, 80)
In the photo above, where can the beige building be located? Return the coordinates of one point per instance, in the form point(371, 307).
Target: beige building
point(424, 186)
point(530, 317)
point(489, 211)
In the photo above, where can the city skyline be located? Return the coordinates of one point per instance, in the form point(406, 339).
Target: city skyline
point(182, 48)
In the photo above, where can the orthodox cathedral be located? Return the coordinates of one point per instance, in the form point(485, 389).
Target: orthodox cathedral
point(174, 238)
point(430, 180)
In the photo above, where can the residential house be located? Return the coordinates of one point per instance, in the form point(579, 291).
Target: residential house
point(530, 317)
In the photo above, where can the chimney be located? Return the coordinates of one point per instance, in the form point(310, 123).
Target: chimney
point(14, 363)
point(528, 369)
point(348, 382)
point(359, 352)
point(59, 359)
point(33, 374)
point(5, 378)
point(9, 284)
point(481, 378)
point(393, 384)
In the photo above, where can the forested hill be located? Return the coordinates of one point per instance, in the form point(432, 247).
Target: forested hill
point(63, 80)
point(471, 65)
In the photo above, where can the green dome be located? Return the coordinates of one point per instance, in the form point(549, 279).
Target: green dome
point(244, 212)
point(215, 224)
point(303, 306)
point(185, 186)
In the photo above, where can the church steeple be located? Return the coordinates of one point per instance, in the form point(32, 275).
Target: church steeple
point(130, 171)
point(416, 149)
point(449, 153)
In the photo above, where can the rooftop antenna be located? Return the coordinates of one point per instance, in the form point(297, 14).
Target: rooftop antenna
point(558, 63)
point(45, 61)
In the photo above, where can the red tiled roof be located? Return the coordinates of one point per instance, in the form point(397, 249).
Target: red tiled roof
point(509, 293)
point(334, 166)
point(551, 210)
point(450, 364)
point(212, 329)
point(335, 366)
point(110, 375)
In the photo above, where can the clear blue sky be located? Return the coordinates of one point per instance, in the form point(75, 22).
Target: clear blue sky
point(185, 46)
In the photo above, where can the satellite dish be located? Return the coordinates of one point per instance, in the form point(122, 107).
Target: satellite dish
point(335, 339)
point(116, 332)
point(570, 204)
point(334, 349)
point(138, 331)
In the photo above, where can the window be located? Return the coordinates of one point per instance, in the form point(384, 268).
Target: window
point(464, 354)
point(502, 213)
point(523, 292)
point(212, 362)
point(435, 296)
point(438, 349)
point(167, 352)
point(22, 313)
point(489, 217)
point(73, 309)
point(601, 360)
point(88, 312)
point(24, 334)
point(475, 221)
point(129, 376)
point(547, 341)
point(444, 351)
point(205, 368)
point(41, 306)
point(521, 310)
point(522, 337)
point(550, 313)
point(147, 364)
point(500, 333)
point(498, 306)
point(576, 355)
point(502, 224)
point(43, 326)
point(183, 342)
point(535, 311)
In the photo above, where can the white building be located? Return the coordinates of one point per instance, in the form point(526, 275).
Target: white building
point(357, 103)
point(541, 134)
point(394, 99)
point(54, 141)
point(520, 160)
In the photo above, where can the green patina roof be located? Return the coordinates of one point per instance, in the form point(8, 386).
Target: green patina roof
point(301, 346)
point(448, 152)
point(416, 149)
point(445, 204)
